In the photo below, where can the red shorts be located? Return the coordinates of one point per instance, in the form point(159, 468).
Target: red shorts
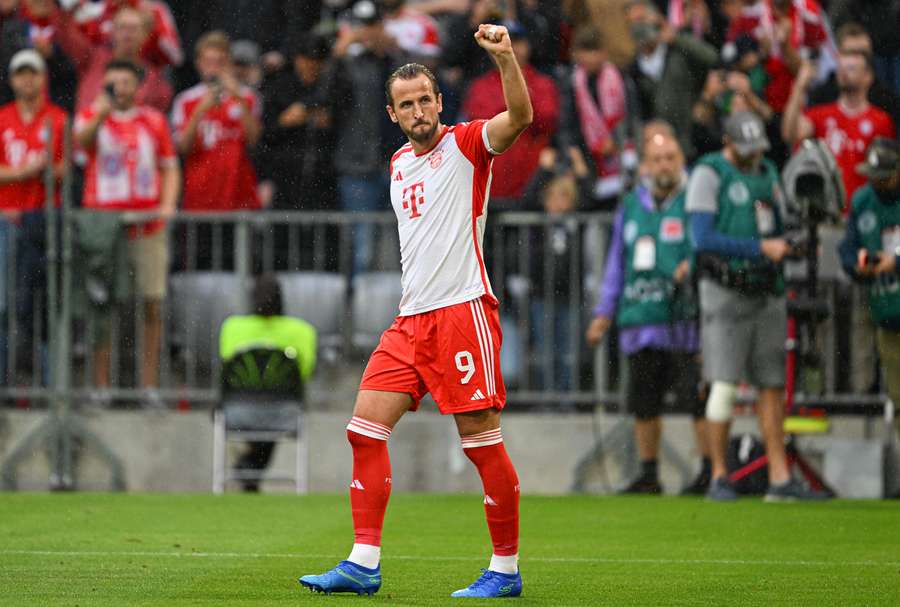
point(452, 352)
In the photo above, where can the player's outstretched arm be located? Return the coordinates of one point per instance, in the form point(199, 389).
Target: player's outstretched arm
point(504, 128)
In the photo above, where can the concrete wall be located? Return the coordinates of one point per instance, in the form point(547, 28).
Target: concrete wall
point(170, 451)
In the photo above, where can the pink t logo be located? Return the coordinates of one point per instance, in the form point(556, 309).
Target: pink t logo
point(415, 198)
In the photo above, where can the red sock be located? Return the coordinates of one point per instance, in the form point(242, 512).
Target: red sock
point(501, 489)
point(371, 485)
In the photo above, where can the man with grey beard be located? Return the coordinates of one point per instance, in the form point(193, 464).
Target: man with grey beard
point(646, 293)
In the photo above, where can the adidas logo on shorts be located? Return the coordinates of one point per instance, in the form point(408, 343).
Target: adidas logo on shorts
point(478, 395)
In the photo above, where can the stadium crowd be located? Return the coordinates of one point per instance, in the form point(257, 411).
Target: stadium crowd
point(228, 105)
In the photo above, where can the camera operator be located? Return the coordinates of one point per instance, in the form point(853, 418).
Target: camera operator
point(733, 201)
point(871, 247)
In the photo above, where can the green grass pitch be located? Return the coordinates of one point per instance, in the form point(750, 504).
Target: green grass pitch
point(87, 550)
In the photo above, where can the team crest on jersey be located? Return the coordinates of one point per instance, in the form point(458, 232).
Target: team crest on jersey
point(671, 230)
point(866, 127)
point(738, 193)
point(436, 159)
point(866, 222)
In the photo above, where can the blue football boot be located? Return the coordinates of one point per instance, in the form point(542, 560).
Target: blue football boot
point(346, 577)
point(492, 585)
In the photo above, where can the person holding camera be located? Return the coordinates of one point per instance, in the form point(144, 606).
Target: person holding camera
point(214, 123)
point(733, 199)
point(645, 290)
point(871, 247)
point(132, 166)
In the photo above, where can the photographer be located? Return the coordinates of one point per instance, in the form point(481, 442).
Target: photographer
point(645, 283)
point(871, 246)
point(733, 202)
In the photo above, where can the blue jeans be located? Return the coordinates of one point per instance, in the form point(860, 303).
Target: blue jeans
point(363, 193)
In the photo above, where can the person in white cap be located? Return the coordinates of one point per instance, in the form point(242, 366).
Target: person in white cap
point(31, 137)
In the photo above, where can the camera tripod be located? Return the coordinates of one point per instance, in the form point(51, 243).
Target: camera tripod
point(805, 312)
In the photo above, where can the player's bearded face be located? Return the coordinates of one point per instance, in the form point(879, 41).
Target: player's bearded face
point(421, 131)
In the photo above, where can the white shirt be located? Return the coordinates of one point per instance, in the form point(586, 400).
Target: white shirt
point(654, 64)
point(440, 198)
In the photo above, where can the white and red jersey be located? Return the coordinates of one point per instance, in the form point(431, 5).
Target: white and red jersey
point(414, 32)
point(218, 173)
point(123, 169)
point(24, 142)
point(848, 137)
point(440, 198)
point(162, 47)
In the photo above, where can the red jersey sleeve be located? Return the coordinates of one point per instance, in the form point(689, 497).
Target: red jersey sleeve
point(166, 149)
point(886, 127)
point(471, 137)
point(81, 119)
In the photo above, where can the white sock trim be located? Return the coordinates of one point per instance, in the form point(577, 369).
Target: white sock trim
point(483, 439)
point(365, 555)
point(505, 564)
point(369, 428)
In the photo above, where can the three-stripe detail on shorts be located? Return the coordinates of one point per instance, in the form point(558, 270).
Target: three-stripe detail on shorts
point(485, 343)
point(369, 428)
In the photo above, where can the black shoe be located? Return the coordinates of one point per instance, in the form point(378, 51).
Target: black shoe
point(794, 490)
point(645, 486)
point(699, 486)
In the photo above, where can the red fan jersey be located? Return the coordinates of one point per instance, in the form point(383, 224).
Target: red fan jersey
point(23, 142)
point(218, 173)
point(848, 137)
point(123, 169)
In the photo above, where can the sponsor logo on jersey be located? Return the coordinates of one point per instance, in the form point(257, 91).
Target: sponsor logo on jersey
point(671, 230)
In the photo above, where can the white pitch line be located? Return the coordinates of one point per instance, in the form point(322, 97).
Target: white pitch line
point(404, 557)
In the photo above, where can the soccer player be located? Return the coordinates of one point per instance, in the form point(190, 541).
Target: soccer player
point(446, 339)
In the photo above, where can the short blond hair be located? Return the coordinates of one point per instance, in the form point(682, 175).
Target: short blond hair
point(216, 39)
point(566, 185)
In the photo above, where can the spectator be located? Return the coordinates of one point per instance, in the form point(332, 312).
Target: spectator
point(26, 24)
point(738, 87)
point(788, 31)
point(736, 224)
point(415, 32)
point(459, 54)
point(127, 38)
point(245, 58)
point(27, 124)
point(848, 125)
point(132, 166)
point(880, 19)
point(646, 293)
point(364, 56)
point(267, 327)
point(669, 70)
point(162, 45)
point(298, 134)
point(595, 112)
point(513, 170)
point(557, 189)
point(853, 37)
point(870, 249)
point(215, 122)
